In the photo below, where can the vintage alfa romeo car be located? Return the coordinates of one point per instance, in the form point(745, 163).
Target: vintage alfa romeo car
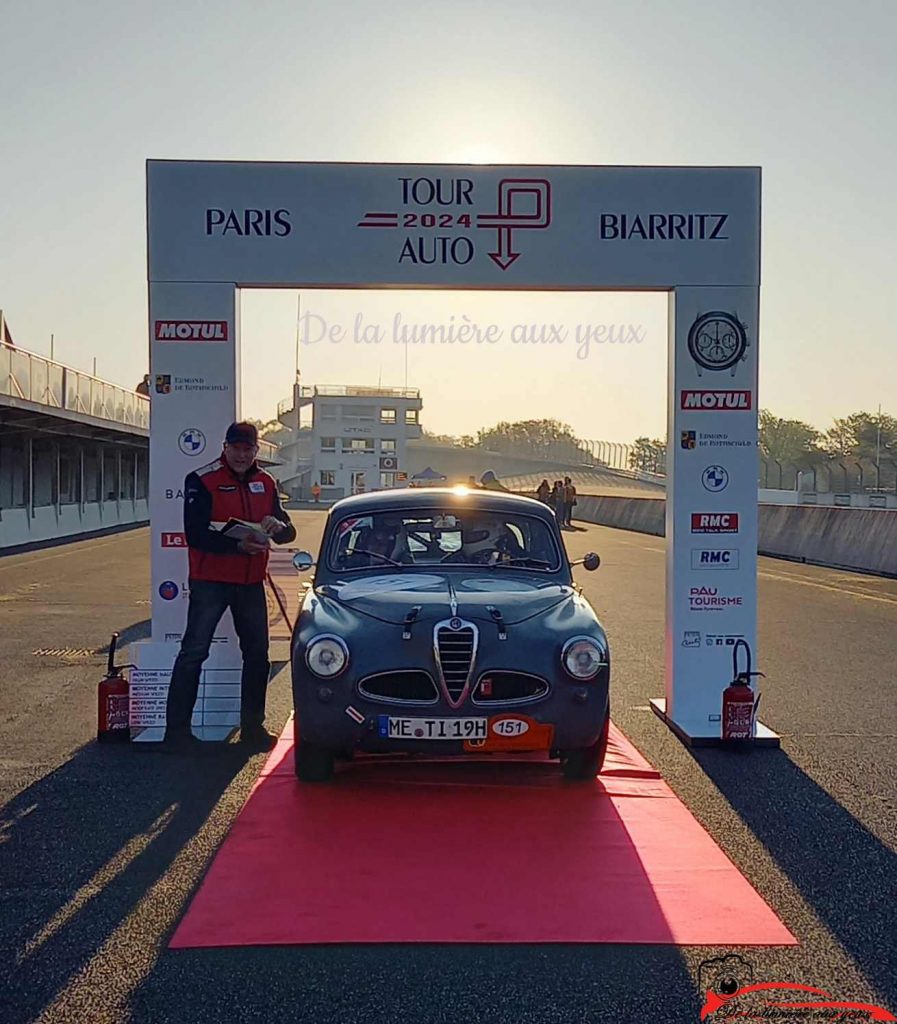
point(447, 622)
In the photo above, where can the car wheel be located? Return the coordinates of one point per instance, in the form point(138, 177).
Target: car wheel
point(586, 762)
point(313, 763)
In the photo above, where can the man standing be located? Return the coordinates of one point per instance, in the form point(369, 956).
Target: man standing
point(228, 573)
point(569, 499)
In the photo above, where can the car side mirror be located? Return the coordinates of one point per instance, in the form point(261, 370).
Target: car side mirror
point(590, 562)
point(303, 561)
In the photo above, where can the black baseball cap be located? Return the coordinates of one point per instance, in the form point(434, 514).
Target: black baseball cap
point(242, 433)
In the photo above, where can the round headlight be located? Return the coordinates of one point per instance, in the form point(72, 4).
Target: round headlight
point(327, 656)
point(583, 657)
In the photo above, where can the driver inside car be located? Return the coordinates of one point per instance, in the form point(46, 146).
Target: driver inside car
point(380, 544)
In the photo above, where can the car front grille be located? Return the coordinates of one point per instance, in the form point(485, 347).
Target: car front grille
point(401, 687)
point(508, 688)
point(455, 652)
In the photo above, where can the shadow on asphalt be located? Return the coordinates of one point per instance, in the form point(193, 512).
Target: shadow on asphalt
point(80, 848)
point(846, 875)
point(131, 634)
point(413, 984)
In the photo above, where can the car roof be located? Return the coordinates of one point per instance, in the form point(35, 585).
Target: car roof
point(440, 497)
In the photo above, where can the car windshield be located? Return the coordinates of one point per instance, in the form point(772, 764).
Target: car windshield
point(471, 537)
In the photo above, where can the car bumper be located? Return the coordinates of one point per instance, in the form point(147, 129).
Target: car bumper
point(335, 715)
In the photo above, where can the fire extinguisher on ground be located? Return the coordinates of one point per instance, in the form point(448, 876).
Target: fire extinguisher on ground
point(113, 701)
point(739, 702)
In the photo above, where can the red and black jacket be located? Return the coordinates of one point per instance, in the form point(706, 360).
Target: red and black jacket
point(215, 494)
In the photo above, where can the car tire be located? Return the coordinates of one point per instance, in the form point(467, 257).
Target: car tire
point(587, 762)
point(313, 763)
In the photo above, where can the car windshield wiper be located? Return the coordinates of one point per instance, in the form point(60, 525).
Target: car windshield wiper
point(376, 554)
point(531, 563)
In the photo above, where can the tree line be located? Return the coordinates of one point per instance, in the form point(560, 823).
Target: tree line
point(861, 435)
point(869, 436)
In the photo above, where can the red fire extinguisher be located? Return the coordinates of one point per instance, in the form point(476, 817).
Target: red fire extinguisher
point(113, 702)
point(739, 703)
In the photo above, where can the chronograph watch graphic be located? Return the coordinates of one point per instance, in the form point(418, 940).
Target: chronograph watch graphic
point(717, 341)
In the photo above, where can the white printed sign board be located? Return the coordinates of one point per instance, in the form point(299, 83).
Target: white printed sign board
point(217, 707)
point(214, 227)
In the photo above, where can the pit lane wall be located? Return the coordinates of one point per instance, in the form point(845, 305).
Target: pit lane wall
point(862, 539)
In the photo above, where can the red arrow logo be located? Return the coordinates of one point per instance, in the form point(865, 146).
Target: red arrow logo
point(506, 220)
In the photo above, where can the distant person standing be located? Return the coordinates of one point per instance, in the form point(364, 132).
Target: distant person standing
point(316, 492)
point(569, 499)
point(543, 491)
point(228, 573)
point(560, 503)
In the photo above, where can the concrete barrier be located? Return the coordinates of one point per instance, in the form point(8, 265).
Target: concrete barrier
point(849, 538)
point(862, 539)
point(643, 515)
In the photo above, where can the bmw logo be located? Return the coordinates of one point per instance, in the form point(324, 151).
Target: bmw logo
point(168, 590)
point(715, 478)
point(454, 624)
point(192, 442)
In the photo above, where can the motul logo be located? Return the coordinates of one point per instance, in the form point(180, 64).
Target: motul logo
point(174, 540)
point(722, 401)
point(191, 330)
point(714, 522)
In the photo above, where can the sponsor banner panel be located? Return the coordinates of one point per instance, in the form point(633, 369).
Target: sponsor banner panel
point(217, 708)
point(193, 395)
point(712, 500)
point(454, 226)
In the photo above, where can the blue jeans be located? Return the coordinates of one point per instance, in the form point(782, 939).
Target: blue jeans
point(208, 602)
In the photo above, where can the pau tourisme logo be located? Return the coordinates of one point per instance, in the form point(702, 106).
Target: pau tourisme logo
point(440, 220)
point(730, 993)
point(711, 599)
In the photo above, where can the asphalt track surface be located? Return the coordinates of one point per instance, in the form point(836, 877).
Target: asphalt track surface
point(101, 847)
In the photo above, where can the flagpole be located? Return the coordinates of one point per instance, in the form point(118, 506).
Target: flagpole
point(878, 439)
point(298, 320)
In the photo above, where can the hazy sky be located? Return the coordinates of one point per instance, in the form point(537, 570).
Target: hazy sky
point(806, 90)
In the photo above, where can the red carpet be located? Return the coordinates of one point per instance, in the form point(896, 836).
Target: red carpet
point(487, 851)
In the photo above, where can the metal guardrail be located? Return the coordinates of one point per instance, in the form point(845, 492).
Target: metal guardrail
point(267, 451)
point(355, 391)
point(34, 378)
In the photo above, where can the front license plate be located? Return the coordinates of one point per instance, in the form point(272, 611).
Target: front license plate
point(432, 728)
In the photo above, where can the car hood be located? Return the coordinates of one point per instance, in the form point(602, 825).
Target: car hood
point(441, 596)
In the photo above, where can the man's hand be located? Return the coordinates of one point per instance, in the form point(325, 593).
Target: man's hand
point(271, 525)
point(252, 547)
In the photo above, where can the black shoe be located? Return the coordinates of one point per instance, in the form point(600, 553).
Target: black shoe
point(182, 743)
point(257, 737)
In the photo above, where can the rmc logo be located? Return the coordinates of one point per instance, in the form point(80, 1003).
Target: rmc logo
point(714, 558)
point(714, 522)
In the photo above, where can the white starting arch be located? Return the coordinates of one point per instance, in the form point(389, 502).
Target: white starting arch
point(694, 232)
